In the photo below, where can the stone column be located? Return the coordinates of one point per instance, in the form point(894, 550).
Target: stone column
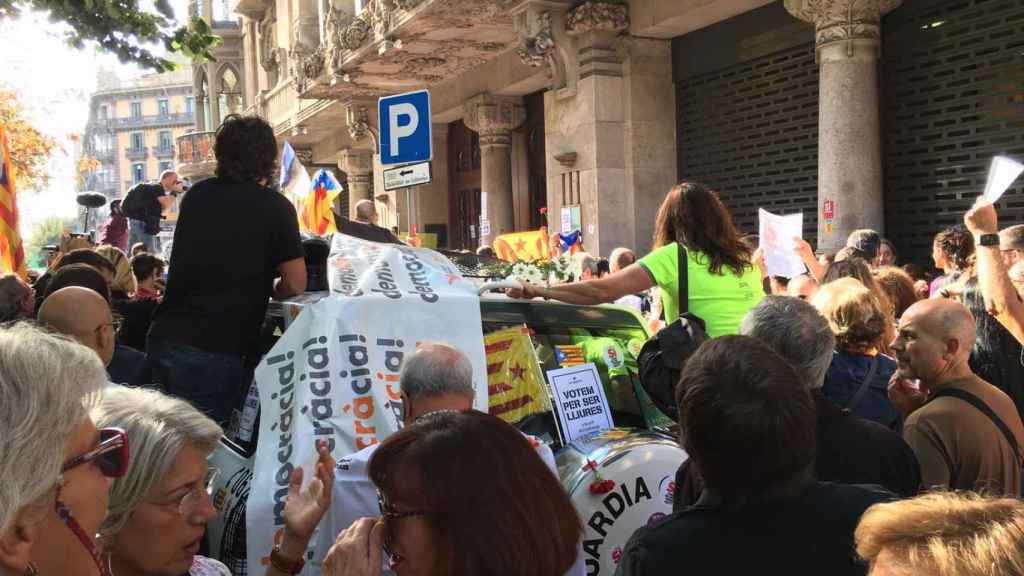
point(494, 119)
point(358, 167)
point(848, 34)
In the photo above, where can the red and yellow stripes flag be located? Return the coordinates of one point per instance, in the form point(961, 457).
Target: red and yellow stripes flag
point(524, 246)
point(12, 253)
point(515, 384)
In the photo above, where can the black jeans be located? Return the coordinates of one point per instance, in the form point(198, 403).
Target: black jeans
point(209, 380)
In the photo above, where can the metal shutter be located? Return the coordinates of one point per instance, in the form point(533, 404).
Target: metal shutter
point(750, 131)
point(953, 96)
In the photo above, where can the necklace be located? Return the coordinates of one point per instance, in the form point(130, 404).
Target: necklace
point(32, 570)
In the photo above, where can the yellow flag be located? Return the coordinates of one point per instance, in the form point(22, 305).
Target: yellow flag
point(525, 246)
point(12, 253)
point(515, 384)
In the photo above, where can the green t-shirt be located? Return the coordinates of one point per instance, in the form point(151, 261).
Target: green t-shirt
point(721, 300)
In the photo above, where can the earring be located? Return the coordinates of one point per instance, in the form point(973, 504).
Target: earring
point(32, 570)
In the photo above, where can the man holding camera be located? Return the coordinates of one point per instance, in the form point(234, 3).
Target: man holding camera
point(144, 206)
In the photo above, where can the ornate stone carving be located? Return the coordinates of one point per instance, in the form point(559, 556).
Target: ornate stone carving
point(358, 119)
point(337, 21)
point(268, 45)
point(304, 155)
point(306, 67)
point(842, 20)
point(598, 16)
point(494, 119)
point(353, 36)
point(535, 49)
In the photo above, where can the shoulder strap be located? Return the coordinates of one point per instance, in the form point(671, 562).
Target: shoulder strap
point(684, 280)
point(863, 386)
point(984, 409)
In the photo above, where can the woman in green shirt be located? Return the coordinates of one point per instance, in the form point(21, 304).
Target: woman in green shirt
point(723, 284)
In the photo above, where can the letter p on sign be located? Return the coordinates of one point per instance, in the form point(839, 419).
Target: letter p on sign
point(404, 122)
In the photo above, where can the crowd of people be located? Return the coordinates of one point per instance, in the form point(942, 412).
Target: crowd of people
point(858, 418)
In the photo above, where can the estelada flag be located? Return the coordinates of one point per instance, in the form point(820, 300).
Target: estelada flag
point(317, 216)
point(515, 384)
point(12, 253)
point(524, 246)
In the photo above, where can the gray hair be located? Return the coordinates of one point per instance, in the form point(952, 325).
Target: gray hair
point(12, 294)
point(47, 384)
point(1012, 238)
point(365, 209)
point(586, 262)
point(158, 427)
point(436, 369)
point(621, 257)
point(797, 332)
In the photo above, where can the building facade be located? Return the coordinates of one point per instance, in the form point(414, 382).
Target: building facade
point(132, 129)
point(584, 113)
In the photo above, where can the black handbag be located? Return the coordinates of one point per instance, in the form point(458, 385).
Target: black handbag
point(664, 355)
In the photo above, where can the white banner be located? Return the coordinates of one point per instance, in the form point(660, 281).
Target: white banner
point(334, 373)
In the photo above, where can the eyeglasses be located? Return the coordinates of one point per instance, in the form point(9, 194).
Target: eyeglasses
point(111, 456)
point(388, 512)
point(195, 499)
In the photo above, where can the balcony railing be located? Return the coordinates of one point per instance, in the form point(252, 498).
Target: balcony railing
point(164, 151)
point(146, 121)
point(134, 153)
point(195, 147)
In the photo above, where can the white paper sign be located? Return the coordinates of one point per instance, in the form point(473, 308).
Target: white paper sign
point(566, 224)
point(1001, 174)
point(333, 375)
point(485, 227)
point(581, 402)
point(776, 240)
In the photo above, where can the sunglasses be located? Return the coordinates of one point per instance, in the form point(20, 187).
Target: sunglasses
point(111, 455)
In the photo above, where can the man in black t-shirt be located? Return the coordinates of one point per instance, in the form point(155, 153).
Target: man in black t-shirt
point(751, 435)
point(215, 302)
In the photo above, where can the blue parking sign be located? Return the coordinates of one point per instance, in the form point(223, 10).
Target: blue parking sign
point(405, 134)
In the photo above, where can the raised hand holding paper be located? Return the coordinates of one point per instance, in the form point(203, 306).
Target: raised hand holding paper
point(776, 240)
point(1001, 174)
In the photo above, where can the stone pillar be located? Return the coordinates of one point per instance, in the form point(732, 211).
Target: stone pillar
point(358, 167)
point(494, 119)
point(848, 34)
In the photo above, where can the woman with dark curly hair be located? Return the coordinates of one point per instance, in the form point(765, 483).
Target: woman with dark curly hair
point(858, 378)
point(204, 333)
point(951, 251)
point(723, 283)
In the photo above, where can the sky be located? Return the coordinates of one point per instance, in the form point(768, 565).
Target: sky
point(54, 82)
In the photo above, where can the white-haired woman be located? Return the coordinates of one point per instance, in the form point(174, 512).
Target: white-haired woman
point(55, 465)
point(160, 508)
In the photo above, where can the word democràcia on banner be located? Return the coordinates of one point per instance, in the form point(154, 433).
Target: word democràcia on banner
point(334, 373)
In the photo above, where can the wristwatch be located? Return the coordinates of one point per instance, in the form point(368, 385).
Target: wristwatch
point(988, 240)
point(288, 566)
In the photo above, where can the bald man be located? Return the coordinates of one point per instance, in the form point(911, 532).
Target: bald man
point(958, 445)
point(82, 314)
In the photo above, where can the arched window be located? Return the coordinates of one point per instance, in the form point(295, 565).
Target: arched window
point(230, 97)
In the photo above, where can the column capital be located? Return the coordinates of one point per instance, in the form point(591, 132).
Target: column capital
point(356, 162)
point(843, 20)
point(494, 118)
point(610, 16)
point(357, 117)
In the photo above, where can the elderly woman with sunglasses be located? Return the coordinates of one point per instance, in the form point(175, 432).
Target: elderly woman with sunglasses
point(55, 465)
point(159, 509)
